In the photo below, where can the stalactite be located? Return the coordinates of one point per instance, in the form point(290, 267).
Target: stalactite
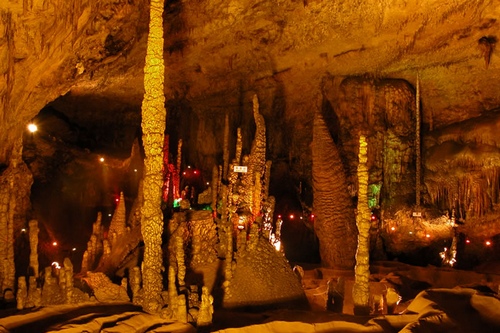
point(226, 147)
point(153, 129)
point(33, 235)
point(361, 288)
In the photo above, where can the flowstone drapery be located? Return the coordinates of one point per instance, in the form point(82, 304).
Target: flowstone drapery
point(153, 130)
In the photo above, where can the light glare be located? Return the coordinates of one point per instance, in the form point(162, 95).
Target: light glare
point(32, 128)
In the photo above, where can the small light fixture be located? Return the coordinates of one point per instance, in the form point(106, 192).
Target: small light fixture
point(32, 128)
point(393, 228)
point(54, 243)
point(467, 241)
point(292, 216)
point(135, 170)
point(411, 232)
point(101, 159)
point(208, 183)
point(73, 249)
point(109, 215)
point(488, 243)
point(428, 236)
point(23, 230)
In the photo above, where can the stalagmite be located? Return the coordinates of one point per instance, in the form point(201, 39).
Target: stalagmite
point(68, 272)
point(417, 145)
point(33, 234)
point(257, 158)
point(267, 179)
point(22, 292)
point(206, 308)
point(179, 256)
point(15, 184)
point(177, 177)
point(226, 147)
point(153, 129)
point(118, 224)
point(335, 223)
point(214, 189)
point(257, 197)
point(34, 294)
point(239, 146)
point(361, 288)
point(135, 281)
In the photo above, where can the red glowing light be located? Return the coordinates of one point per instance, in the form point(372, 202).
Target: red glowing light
point(312, 216)
point(54, 244)
point(428, 236)
point(279, 216)
point(117, 199)
point(195, 172)
point(488, 243)
point(373, 217)
point(184, 173)
point(291, 216)
point(467, 241)
point(393, 228)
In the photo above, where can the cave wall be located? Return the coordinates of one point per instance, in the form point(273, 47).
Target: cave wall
point(48, 47)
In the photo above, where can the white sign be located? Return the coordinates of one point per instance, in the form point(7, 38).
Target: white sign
point(240, 168)
point(417, 214)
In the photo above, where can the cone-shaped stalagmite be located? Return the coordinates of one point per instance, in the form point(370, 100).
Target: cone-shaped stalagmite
point(361, 288)
point(153, 129)
point(334, 222)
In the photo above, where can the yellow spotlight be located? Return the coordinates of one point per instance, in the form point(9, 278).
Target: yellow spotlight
point(32, 128)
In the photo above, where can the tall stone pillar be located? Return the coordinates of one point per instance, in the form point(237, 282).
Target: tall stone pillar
point(33, 234)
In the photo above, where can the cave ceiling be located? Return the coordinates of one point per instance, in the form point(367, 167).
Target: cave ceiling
point(218, 53)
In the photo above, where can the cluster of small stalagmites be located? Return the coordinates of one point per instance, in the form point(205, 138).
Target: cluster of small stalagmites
point(94, 246)
point(58, 286)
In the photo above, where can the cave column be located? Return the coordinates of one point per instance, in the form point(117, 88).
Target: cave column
point(361, 288)
point(153, 129)
point(15, 185)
